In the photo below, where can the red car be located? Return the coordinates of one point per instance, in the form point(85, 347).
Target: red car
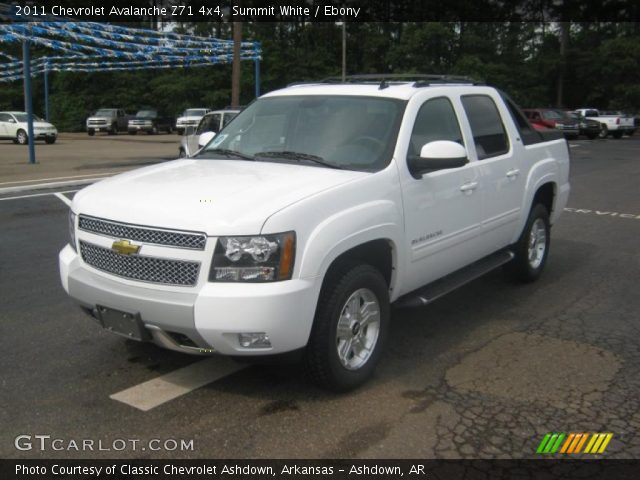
point(541, 118)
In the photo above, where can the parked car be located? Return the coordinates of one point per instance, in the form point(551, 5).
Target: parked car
point(13, 126)
point(110, 120)
point(553, 118)
point(589, 128)
point(611, 123)
point(315, 209)
point(213, 121)
point(190, 118)
point(150, 121)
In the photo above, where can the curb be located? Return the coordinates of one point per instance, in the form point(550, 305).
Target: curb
point(44, 186)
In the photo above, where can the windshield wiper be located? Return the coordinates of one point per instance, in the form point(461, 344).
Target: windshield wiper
point(289, 155)
point(228, 153)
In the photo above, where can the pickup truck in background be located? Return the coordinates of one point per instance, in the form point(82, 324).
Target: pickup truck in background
point(553, 118)
point(611, 123)
point(317, 208)
point(150, 121)
point(190, 118)
point(110, 120)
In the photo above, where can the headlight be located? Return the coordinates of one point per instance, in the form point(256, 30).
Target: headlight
point(260, 258)
point(72, 230)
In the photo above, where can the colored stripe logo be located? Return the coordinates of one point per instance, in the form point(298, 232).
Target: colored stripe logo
point(572, 443)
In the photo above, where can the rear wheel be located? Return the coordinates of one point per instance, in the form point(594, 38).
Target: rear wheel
point(21, 137)
point(532, 248)
point(350, 328)
point(91, 133)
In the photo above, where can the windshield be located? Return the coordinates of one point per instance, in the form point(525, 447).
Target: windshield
point(22, 117)
point(194, 112)
point(105, 113)
point(147, 114)
point(351, 132)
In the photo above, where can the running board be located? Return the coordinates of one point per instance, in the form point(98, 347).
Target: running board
point(427, 294)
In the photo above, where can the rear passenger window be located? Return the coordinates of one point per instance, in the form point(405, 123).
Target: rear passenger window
point(488, 131)
point(436, 120)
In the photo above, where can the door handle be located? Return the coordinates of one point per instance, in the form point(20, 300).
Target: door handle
point(468, 188)
point(513, 173)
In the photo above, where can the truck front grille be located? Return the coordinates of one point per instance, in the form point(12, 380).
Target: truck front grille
point(156, 236)
point(138, 267)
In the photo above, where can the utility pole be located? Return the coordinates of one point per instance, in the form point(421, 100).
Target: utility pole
point(235, 68)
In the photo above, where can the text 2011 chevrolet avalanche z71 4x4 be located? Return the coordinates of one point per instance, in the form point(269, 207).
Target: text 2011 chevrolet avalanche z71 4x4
point(320, 205)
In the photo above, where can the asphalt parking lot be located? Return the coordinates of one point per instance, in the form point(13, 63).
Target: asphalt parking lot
point(484, 372)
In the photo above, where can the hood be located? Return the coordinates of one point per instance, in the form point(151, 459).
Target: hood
point(218, 197)
point(191, 117)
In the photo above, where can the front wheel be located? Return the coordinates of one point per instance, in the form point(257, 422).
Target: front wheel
point(21, 137)
point(604, 131)
point(50, 141)
point(350, 328)
point(532, 248)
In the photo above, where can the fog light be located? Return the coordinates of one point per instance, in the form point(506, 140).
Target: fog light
point(254, 340)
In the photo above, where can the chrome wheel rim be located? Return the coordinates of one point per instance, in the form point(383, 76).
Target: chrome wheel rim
point(358, 329)
point(537, 243)
point(22, 138)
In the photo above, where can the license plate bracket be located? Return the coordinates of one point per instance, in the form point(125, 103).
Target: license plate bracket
point(127, 324)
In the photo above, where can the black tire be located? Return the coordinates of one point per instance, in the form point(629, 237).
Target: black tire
point(182, 153)
point(322, 362)
point(21, 137)
point(50, 141)
point(604, 131)
point(617, 134)
point(91, 133)
point(522, 269)
point(179, 131)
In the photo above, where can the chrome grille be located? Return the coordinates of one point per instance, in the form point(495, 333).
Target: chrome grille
point(172, 238)
point(137, 267)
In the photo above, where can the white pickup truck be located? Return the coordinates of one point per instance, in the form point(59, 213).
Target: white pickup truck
point(299, 224)
point(615, 124)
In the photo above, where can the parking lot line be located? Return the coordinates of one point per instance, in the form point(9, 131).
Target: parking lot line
point(157, 391)
point(57, 178)
point(64, 199)
point(37, 195)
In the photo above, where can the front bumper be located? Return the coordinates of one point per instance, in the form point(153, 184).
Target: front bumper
point(210, 316)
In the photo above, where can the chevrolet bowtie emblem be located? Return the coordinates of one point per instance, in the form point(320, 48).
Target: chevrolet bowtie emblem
point(125, 247)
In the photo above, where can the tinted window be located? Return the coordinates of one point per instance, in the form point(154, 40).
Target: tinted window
point(4, 117)
point(527, 133)
point(436, 120)
point(488, 131)
point(228, 116)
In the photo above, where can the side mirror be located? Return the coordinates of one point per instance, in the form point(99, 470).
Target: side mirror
point(205, 138)
point(11, 120)
point(438, 155)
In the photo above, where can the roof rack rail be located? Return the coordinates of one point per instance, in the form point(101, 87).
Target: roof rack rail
point(384, 79)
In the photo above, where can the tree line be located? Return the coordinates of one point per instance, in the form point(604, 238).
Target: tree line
point(566, 65)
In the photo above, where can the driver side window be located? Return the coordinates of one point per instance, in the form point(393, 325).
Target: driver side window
point(436, 120)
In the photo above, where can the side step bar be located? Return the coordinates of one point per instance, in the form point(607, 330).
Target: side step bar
point(427, 294)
